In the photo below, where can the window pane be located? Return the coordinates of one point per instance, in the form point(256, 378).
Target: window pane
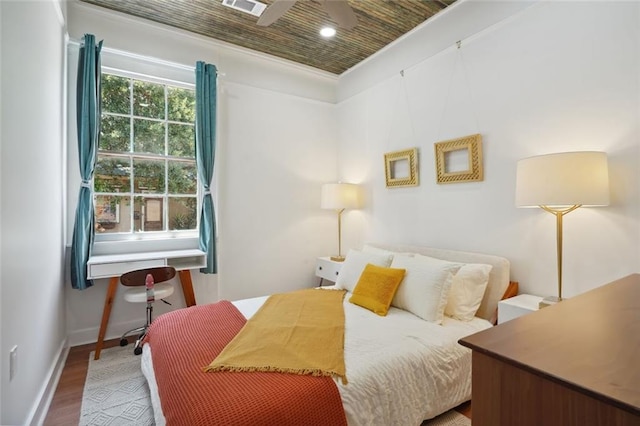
point(182, 177)
point(115, 94)
point(148, 136)
point(148, 176)
point(183, 213)
point(182, 140)
point(112, 174)
point(182, 104)
point(115, 133)
point(148, 99)
point(148, 214)
point(112, 214)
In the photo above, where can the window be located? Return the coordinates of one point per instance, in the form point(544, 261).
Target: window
point(145, 180)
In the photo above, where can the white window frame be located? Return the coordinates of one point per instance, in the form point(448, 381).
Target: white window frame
point(152, 235)
point(139, 67)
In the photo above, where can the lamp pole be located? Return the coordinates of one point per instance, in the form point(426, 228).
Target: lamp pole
point(339, 257)
point(559, 213)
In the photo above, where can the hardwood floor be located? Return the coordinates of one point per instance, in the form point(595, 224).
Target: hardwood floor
point(464, 409)
point(65, 406)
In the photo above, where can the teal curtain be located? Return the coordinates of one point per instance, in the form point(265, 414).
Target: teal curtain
point(205, 156)
point(88, 122)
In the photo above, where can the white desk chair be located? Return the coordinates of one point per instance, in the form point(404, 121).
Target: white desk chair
point(141, 292)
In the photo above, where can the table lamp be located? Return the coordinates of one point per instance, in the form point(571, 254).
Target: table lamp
point(340, 196)
point(559, 184)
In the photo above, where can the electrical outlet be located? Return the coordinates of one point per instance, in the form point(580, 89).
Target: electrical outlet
point(13, 362)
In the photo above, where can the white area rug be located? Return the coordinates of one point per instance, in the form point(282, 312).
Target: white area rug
point(450, 418)
point(116, 393)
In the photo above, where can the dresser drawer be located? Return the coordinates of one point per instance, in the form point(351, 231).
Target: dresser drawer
point(327, 269)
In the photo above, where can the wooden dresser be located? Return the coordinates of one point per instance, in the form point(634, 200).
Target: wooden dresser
point(573, 364)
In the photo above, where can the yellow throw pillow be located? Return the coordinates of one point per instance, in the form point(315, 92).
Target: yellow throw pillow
point(376, 288)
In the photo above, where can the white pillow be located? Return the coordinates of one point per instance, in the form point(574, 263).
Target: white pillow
point(425, 288)
point(367, 248)
point(467, 291)
point(376, 250)
point(354, 264)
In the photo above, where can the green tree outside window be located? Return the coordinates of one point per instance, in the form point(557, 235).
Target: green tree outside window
point(146, 178)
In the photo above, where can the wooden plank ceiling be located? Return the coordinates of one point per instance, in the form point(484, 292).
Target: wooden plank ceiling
point(295, 35)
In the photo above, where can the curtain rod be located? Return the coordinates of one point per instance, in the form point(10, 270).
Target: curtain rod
point(142, 57)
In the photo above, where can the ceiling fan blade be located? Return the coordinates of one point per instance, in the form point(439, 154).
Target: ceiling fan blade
point(341, 12)
point(275, 11)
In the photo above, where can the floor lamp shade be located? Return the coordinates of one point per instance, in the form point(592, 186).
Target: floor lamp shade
point(564, 179)
point(559, 184)
point(338, 197)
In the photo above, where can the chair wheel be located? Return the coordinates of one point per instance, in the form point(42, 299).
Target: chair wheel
point(124, 342)
point(137, 351)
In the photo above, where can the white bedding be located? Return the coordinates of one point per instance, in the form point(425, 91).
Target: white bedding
point(401, 369)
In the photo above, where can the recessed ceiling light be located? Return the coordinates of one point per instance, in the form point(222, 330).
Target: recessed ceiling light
point(327, 32)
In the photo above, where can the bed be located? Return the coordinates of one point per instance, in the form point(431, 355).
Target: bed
point(402, 369)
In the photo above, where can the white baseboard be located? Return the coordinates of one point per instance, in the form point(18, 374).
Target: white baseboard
point(39, 410)
point(40, 407)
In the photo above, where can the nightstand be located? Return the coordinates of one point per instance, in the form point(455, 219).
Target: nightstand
point(517, 306)
point(327, 269)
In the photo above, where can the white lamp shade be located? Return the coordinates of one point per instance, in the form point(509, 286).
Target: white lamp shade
point(563, 179)
point(339, 196)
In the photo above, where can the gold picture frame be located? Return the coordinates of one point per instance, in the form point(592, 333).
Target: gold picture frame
point(472, 145)
point(401, 168)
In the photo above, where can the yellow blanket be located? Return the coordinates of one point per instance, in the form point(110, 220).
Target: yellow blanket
point(300, 332)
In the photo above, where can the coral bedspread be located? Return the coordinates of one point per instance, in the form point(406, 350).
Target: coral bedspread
point(186, 340)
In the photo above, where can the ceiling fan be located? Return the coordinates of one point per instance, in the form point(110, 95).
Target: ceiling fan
point(338, 10)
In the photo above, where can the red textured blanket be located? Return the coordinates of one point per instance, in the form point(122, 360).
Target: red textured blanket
point(186, 340)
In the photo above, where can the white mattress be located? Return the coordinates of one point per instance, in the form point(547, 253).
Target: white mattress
point(401, 369)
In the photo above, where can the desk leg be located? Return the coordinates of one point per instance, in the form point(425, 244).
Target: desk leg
point(106, 313)
point(187, 287)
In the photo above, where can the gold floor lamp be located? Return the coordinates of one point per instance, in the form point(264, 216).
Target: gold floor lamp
point(559, 184)
point(340, 196)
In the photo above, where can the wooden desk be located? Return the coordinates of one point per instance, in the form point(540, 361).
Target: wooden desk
point(573, 364)
point(112, 266)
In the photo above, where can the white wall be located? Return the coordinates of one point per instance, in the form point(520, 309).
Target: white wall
point(277, 143)
point(31, 173)
point(556, 76)
point(462, 19)
point(272, 167)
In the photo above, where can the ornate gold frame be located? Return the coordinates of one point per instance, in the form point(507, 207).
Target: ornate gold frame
point(409, 155)
point(473, 145)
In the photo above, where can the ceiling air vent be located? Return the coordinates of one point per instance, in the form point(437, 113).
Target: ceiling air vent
point(250, 6)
